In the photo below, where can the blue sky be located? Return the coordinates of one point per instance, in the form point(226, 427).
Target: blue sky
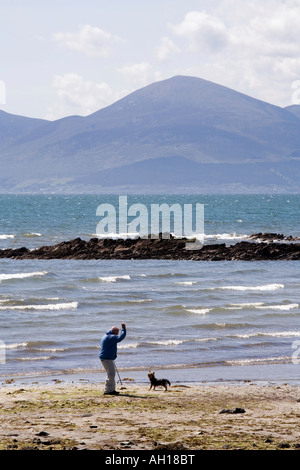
point(66, 57)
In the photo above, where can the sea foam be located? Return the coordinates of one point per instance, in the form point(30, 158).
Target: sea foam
point(113, 278)
point(5, 277)
point(201, 311)
point(6, 237)
point(60, 306)
point(264, 287)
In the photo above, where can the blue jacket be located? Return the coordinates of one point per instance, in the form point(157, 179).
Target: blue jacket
point(108, 345)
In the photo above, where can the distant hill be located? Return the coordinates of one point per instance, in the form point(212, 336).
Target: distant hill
point(295, 109)
point(15, 127)
point(184, 133)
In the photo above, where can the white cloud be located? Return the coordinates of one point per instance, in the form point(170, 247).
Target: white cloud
point(166, 49)
point(202, 29)
point(90, 40)
point(281, 25)
point(138, 74)
point(78, 96)
point(275, 34)
point(288, 67)
point(250, 46)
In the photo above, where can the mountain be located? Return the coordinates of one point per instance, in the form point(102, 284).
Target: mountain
point(13, 127)
point(183, 133)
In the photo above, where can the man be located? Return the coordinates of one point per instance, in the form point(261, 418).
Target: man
point(108, 354)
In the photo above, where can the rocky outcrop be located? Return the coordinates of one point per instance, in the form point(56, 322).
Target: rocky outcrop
point(161, 248)
point(270, 237)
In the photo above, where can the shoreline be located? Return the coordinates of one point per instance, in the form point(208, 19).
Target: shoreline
point(265, 374)
point(64, 416)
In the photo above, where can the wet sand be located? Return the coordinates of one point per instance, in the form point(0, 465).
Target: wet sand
point(66, 416)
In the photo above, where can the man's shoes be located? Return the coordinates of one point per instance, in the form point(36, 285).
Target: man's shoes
point(112, 393)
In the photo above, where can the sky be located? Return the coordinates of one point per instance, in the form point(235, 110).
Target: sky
point(72, 57)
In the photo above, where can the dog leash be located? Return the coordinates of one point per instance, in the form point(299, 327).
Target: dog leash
point(118, 375)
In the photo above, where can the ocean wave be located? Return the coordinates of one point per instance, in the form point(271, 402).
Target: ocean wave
point(176, 342)
point(51, 349)
point(128, 346)
point(272, 334)
point(13, 345)
point(32, 234)
point(258, 361)
point(203, 340)
point(261, 306)
point(226, 236)
point(186, 283)
point(167, 342)
point(60, 306)
point(244, 305)
point(42, 346)
point(114, 235)
point(201, 311)
point(175, 308)
point(5, 277)
point(278, 307)
point(265, 287)
point(6, 237)
point(168, 274)
point(35, 358)
point(284, 334)
point(114, 278)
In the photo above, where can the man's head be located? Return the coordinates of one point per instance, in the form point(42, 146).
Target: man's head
point(115, 330)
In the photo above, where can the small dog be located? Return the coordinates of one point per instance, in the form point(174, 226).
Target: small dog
point(156, 382)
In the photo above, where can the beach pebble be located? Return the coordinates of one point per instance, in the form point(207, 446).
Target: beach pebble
point(127, 443)
point(283, 445)
point(232, 410)
point(43, 433)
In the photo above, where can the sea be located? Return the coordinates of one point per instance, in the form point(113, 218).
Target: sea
point(189, 321)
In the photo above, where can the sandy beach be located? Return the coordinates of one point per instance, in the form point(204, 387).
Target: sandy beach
point(64, 416)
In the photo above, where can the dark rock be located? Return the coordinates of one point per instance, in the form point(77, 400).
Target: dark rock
point(160, 248)
point(283, 445)
point(126, 444)
point(232, 410)
point(43, 433)
point(273, 236)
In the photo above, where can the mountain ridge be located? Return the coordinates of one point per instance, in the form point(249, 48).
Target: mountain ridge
point(182, 117)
